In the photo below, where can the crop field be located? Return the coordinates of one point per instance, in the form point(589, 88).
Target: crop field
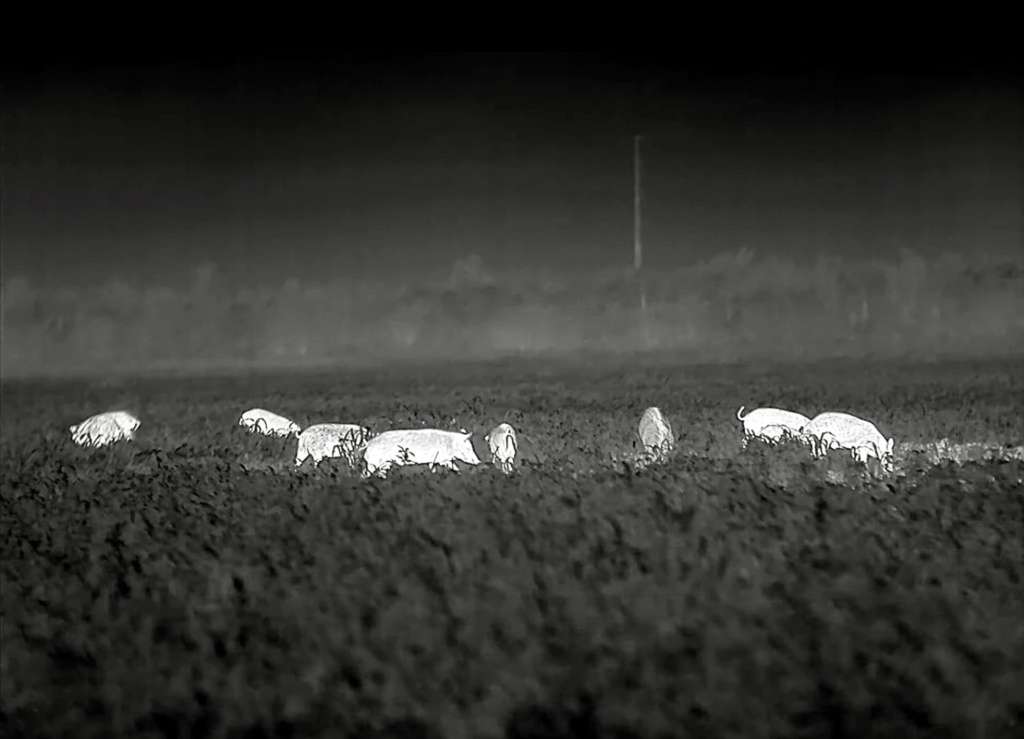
point(192, 583)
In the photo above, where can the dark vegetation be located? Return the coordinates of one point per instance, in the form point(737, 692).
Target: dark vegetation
point(191, 584)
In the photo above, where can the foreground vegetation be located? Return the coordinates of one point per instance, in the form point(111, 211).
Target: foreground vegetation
point(193, 584)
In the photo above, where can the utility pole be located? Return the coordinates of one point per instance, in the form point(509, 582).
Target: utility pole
point(638, 245)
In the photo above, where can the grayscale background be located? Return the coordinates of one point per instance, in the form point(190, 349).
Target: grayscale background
point(290, 208)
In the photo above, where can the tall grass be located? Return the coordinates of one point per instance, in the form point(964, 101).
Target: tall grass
point(736, 306)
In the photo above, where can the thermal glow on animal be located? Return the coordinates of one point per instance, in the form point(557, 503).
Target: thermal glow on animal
point(834, 430)
point(502, 443)
point(264, 422)
point(324, 440)
point(770, 425)
point(105, 428)
point(417, 446)
point(655, 435)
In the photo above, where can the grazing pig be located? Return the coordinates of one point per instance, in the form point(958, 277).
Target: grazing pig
point(655, 437)
point(105, 428)
point(324, 440)
point(770, 425)
point(270, 424)
point(828, 431)
point(417, 446)
point(503, 446)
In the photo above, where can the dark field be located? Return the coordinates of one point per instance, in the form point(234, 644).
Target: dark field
point(192, 584)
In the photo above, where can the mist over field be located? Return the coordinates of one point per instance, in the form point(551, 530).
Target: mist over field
point(294, 210)
point(738, 306)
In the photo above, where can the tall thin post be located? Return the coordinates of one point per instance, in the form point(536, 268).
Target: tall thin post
point(638, 246)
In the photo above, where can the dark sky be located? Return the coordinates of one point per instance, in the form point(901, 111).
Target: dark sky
point(142, 166)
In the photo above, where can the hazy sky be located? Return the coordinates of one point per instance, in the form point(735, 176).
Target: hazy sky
point(270, 167)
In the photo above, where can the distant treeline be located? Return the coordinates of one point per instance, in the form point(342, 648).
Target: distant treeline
point(735, 307)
